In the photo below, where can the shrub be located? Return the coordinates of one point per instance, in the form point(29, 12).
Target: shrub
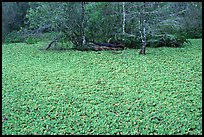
point(14, 37)
point(167, 40)
point(128, 40)
point(31, 40)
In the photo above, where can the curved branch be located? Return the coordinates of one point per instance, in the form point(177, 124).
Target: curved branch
point(52, 42)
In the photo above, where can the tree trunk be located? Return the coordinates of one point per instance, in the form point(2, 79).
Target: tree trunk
point(143, 33)
point(144, 41)
point(124, 17)
point(142, 50)
point(82, 24)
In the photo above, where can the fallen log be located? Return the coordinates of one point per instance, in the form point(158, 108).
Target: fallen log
point(106, 46)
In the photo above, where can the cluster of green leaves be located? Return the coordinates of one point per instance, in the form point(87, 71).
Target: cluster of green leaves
point(31, 40)
point(61, 17)
point(73, 92)
point(162, 40)
point(21, 36)
point(14, 37)
point(103, 20)
point(129, 41)
point(167, 40)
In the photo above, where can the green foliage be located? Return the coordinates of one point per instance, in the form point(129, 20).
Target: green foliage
point(167, 40)
point(60, 16)
point(31, 40)
point(102, 19)
point(192, 20)
point(14, 37)
point(170, 29)
point(13, 14)
point(102, 22)
point(73, 92)
point(62, 45)
point(128, 40)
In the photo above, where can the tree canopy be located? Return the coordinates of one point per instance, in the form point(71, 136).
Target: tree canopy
point(100, 21)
